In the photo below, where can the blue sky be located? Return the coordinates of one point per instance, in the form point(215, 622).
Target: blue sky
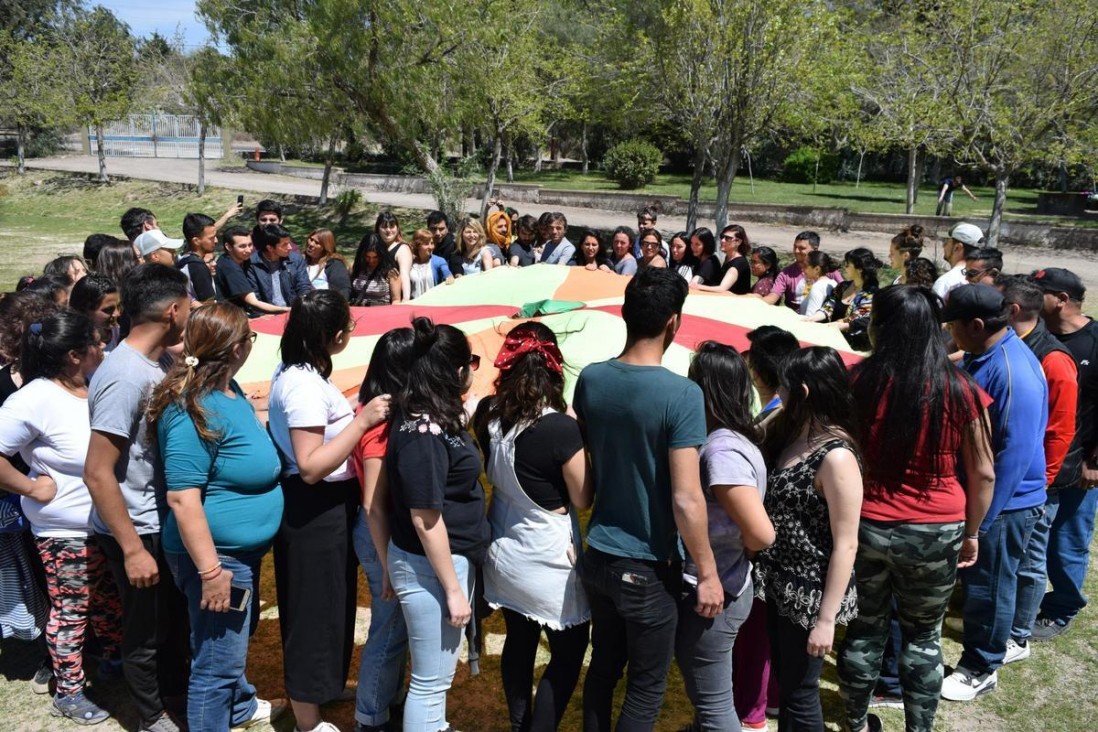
point(164, 16)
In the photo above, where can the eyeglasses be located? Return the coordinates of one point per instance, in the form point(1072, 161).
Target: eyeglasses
point(251, 336)
point(474, 362)
point(650, 244)
point(729, 237)
point(350, 327)
point(970, 273)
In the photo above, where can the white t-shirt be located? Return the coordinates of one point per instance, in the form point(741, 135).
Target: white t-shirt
point(950, 280)
point(49, 427)
point(300, 397)
point(819, 291)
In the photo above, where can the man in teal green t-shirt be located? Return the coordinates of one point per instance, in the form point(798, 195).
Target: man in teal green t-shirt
point(643, 426)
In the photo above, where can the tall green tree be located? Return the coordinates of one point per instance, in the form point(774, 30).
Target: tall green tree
point(32, 89)
point(99, 60)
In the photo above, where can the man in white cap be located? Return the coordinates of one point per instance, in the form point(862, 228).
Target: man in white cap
point(153, 246)
point(962, 240)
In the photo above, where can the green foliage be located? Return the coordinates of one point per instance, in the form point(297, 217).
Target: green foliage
point(810, 165)
point(99, 57)
point(451, 188)
point(346, 202)
point(632, 164)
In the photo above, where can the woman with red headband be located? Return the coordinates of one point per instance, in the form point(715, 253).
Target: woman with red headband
point(535, 460)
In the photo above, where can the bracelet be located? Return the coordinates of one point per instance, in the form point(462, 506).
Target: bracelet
point(212, 577)
point(211, 569)
point(975, 537)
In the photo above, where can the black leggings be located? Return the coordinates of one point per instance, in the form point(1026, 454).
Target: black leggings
point(557, 683)
point(798, 675)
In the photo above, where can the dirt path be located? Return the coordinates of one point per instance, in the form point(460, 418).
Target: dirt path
point(1018, 259)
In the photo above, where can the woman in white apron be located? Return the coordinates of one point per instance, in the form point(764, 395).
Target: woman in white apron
point(536, 464)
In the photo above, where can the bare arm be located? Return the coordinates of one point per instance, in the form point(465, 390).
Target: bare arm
point(691, 518)
point(744, 506)
point(194, 530)
point(104, 451)
point(487, 261)
point(396, 289)
point(264, 307)
point(235, 210)
point(316, 459)
point(404, 262)
point(578, 480)
point(431, 530)
point(840, 480)
point(41, 488)
point(375, 502)
point(970, 195)
point(979, 463)
point(772, 298)
point(724, 285)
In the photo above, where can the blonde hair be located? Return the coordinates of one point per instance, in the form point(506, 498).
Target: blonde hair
point(475, 226)
point(212, 333)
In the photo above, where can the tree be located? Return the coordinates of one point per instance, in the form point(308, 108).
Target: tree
point(209, 94)
point(98, 57)
point(732, 72)
point(31, 87)
point(1022, 83)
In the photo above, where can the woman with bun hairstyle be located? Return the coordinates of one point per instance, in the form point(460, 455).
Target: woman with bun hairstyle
point(381, 668)
point(817, 266)
point(535, 461)
point(439, 532)
point(46, 423)
point(315, 431)
point(904, 248)
point(221, 473)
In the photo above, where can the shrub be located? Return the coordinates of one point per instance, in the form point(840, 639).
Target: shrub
point(801, 166)
point(632, 164)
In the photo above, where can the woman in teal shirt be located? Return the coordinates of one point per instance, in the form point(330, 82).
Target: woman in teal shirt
point(221, 473)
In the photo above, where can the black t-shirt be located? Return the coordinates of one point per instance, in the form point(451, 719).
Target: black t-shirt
point(431, 469)
point(199, 274)
point(709, 271)
point(742, 285)
point(540, 452)
point(447, 249)
point(232, 284)
point(1083, 345)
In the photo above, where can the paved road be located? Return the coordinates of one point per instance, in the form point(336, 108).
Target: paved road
point(1018, 259)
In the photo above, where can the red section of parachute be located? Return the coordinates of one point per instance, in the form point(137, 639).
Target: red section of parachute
point(378, 320)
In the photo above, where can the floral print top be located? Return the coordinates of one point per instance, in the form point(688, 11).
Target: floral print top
point(790, 575)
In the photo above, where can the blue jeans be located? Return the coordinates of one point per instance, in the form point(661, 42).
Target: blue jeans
point(1032, 575)
point(218, 696)
point(703, 648)
point(381, 668)
point(990, 589)
point(435, 644)
point(634, 611)
point(1069, 553)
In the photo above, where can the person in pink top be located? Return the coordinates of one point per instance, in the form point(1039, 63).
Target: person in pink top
point(790, 283)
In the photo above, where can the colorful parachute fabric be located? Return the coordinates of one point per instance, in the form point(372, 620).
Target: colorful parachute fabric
point(590, 328)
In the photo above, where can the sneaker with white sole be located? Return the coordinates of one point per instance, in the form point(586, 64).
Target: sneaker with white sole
point(265, 711)
point(1016, 651)
point(79, 709)
point(964, 685)
point(163, 723)
point(886, 701)
point(322, 727)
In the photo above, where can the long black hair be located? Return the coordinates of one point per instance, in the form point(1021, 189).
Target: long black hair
point(388, 365)
point(708, 241)
point(865, 262)
point(530, 385)
point(46, 345)
point(768, 257)
point(438, 375)
point(725, 381)
point(90, 291)
point(818, 396)
point(601, 256)
point(908, 385)
point(385, 261)
point(316, 318)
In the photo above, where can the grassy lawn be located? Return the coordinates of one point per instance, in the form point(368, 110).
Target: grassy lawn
point(45, 214)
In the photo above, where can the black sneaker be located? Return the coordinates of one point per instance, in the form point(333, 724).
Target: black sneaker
point(873, 723)
point(40, 684)
point(79, 709)
point(1045, 629)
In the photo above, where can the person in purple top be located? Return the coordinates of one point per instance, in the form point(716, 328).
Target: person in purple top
point(790, 282)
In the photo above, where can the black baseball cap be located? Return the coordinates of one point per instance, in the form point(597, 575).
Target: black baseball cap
point(1058, 279)
point(969, 302)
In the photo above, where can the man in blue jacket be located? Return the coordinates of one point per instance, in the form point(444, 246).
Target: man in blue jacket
point(1008, 371)
point(278, 275)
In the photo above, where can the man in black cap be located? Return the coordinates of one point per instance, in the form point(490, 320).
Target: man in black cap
point(1004, 367)
point(1072, 497)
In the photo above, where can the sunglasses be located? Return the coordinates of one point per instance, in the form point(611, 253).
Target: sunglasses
point(474, 362)
point(970, 273)
point(729, 237)
point(251, 336)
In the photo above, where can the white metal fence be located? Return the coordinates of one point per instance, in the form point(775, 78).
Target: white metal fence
point(156, 136)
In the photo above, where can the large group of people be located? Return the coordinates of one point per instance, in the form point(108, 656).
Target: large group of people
point(738, 514)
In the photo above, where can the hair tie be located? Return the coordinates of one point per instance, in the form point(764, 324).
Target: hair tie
point(515, 346)
point(191, 361)
point(36, 328)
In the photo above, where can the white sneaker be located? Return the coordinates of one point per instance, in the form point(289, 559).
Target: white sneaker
point(963, 685)
point(322, 727)
point(1015, 652)
point(265, 711)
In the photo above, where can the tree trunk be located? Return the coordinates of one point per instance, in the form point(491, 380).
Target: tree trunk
point(1062, 170)
point(920, 172)
point(20, 149)
point(858, 175)
point(102, 154)
point(201, 158)
point(816, 174)
point(537, 158)
point(727, 175)
point(936, 172)
point(695, 190)
point(510, 160)
point(490, 184)
point(328, 161)
point(909, 198)
point(583, 146)
point(1002, 178)
point(281, 152)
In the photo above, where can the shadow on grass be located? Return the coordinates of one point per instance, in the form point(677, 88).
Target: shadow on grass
point(855, 197)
